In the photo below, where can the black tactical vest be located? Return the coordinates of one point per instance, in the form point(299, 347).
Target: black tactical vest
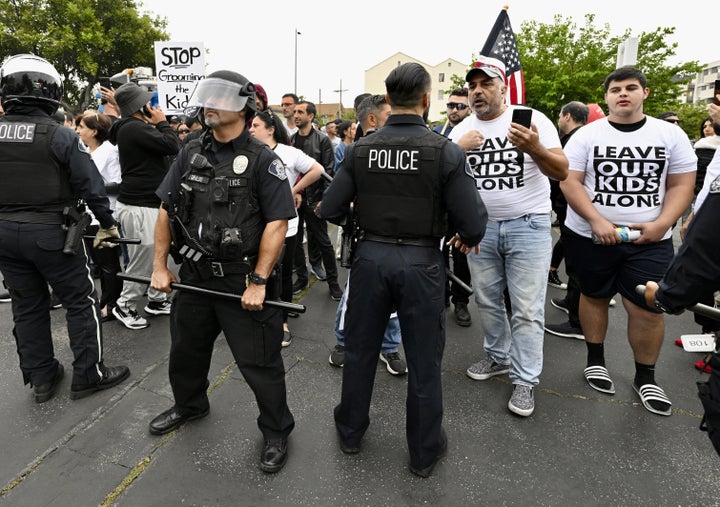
point(224, 214)
point(398, 182)
point(30, 175)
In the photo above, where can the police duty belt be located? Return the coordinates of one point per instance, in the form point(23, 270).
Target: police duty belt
point(293, 307)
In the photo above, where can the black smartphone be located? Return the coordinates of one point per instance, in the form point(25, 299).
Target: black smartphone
point(104, 82)
point(146, 111)
point(522, 116)
point(716, 101)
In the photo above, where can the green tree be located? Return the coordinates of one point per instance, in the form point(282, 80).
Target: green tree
point(83, 39)
point(563, 62)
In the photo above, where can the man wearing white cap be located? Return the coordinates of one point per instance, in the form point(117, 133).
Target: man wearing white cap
point(511, 164)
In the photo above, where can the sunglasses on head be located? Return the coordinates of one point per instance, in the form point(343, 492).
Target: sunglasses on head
point(454, 105)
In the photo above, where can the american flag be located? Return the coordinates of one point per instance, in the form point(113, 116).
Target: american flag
point(501, 44)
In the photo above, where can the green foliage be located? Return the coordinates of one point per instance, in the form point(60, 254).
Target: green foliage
point(563, 62)
point(83, 39)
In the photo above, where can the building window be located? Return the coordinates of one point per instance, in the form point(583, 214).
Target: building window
point(441, 77)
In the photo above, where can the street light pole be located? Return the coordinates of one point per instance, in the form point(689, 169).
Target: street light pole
point(296, 34)
point(340, 91)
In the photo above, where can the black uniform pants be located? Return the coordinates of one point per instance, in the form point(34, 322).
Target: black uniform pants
point(31, 257)
point(254, 339)
point(316, 233)
point(411, 279)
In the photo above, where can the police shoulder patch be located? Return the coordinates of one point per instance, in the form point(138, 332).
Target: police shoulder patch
point(277, 169)
point(715, 186)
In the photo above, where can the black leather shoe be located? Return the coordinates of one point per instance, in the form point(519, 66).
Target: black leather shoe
point(425, 472)
point(44, 392)
point(171, 419)
point(113, 376)
point(274, 455)
point(462, 315)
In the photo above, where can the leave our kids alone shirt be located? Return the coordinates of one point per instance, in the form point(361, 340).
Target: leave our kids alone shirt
point(508, 180)
point(626, 172)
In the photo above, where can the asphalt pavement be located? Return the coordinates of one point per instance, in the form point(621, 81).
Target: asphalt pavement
point(580, 447)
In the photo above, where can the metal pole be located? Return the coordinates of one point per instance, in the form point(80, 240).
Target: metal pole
point(296, 34)
point(293, 307)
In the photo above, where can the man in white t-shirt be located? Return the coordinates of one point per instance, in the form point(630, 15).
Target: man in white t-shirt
point(511, 164)
point(629, 170)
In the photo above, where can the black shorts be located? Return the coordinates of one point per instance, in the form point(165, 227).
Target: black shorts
point(605, 270)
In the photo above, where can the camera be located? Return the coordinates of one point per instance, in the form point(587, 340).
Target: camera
point(220, 190)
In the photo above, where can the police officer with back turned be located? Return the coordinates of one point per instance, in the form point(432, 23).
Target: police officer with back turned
point(405, 181)
point(44, 171)
point(226, 205)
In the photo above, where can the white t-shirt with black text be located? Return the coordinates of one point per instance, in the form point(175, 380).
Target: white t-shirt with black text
point(509, 181)
point(626, 172)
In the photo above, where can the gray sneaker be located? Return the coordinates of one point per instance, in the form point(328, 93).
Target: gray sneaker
point(486, 368)
point(522, 401)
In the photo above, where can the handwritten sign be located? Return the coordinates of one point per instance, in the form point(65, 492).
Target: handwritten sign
point(180, 65)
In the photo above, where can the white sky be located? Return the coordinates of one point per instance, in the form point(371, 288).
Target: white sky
point(339, 40)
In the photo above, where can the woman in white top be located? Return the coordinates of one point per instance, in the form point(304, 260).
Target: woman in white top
point(93, 129)
point(301, 171)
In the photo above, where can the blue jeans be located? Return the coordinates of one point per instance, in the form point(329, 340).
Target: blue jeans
point(514, 254)
point(392, 337)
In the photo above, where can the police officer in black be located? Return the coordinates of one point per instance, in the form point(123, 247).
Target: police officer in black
point(404, 180)
point(694, 273)
point(44, 171)
point(226, 205)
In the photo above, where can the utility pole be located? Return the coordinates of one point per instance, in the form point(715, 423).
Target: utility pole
point(340, 90)
point(296, 34)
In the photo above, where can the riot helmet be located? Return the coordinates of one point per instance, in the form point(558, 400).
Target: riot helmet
point(224, 90)
point(30, 80)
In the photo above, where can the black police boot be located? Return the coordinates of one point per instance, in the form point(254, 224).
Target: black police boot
point(462, 315)
point(44, 392)
point(171, 419)
point(112, 377)
point(274, 455)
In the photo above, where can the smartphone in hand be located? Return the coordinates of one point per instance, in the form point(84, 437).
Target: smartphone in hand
point(522, 116)
point(104, 82)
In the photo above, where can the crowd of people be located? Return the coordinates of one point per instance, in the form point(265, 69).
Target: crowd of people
point(240, 197)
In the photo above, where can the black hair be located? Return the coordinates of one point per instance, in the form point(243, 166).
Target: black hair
point(369, 105)
point(359, 99)
point(666, 114)
point(715, 126)
point(311, 109)
point(343, 128)
point(407, 84)
point(271, 120)
point(578, 111)
point(624, 73)
point(295, 98)
point(100, 123)
point(459, 92)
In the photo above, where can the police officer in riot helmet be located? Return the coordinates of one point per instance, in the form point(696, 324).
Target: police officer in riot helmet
point(405, 181)
point(225, 210)
point(47, 177)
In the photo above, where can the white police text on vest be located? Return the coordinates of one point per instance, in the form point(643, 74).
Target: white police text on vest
point(393, 159)
point(17, 132)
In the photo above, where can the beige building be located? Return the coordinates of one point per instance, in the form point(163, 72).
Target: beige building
point(702, 86)
point(441, 74)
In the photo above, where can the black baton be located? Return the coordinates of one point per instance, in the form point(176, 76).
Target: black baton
point(127, 241)
point(294, 307)
point(465, 287)
point(699, 308)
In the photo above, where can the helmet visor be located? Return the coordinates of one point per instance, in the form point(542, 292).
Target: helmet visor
point(214, 93)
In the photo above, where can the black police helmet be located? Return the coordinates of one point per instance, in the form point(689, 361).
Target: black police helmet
point(28, 79)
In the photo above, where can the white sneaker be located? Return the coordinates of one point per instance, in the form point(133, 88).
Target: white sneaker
point(129, 318)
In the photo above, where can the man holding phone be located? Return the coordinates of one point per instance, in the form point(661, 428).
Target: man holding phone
point(512, 151)
point(145, 142)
